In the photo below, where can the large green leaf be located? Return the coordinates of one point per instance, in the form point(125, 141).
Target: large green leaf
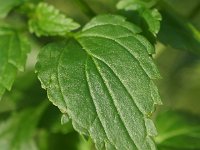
point(180, 132)
point(13, 53)
point(103, 80)
point(47, 20)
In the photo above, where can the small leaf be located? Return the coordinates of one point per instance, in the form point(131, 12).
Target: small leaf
point(151, 17)
point(103, 81)
point(181, 131)
point(48, 21)
point(14, 49)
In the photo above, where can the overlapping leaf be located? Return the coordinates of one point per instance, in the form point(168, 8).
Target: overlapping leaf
point(151, 17)
point(103, 81)
point(47, 20)
point(12, 57)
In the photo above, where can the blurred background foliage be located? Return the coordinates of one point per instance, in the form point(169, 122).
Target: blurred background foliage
point(29, 121)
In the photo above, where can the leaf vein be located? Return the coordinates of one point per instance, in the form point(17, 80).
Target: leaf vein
point(58, 78)
point(121, 45)
point(111, 95)
point(87, 83)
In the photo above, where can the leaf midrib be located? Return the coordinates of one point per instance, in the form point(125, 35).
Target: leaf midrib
point(57, 75)
point(87, 79)
point(120, 44)
point(93, 58)
point(113, 100)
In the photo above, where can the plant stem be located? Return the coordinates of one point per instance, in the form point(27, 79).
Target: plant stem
point(85, 8)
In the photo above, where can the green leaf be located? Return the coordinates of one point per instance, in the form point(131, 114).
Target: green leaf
point(179, 33)
point(48, 21)
point(151, 17)
point(16, 133)
point(14, 49)
point(103, 81)
point(180, 132)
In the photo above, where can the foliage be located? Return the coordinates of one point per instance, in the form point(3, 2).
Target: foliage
point(100, 72)
point(47, 20)
point(87, 71)
point(150, 15)
point(13, 56)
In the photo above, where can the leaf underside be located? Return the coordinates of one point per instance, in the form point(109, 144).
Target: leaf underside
point(103, 80)
point(13, 55)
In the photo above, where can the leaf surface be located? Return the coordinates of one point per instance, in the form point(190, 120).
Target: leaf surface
point(14, 49)
point(103, 81)
point(47, 20)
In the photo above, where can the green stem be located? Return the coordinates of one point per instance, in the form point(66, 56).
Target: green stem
point(85, 8)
